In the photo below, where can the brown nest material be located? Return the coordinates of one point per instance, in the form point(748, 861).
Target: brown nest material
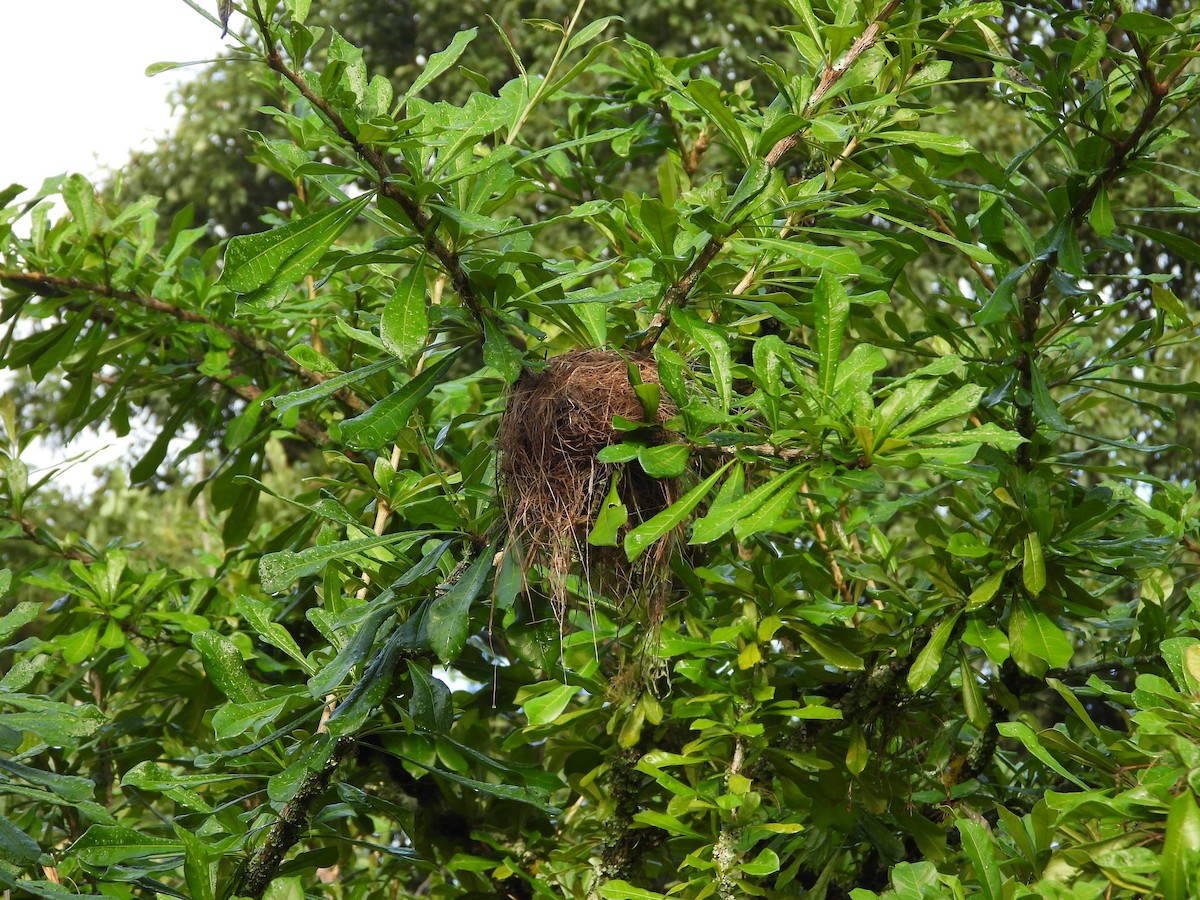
point(552, 485)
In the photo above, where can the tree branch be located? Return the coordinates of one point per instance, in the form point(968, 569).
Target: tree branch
point(47, 285)
point(419, 219)
point(293, 820)
point(677, 294)
point(1031, 306)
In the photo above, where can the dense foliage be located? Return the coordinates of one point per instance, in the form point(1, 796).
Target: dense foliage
point(905, 314)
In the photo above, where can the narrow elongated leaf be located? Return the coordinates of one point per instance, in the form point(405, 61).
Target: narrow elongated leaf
point(450, 614)
point(1181, 849)
point(380, 424)
point(959, 404)
point(16, 846)
point(286, 254)
point(329, 386)
point(545, 708)
point(707, 96)
point(404, 324)
point(1023, 733)
point(982, 854)
point(1041, 637)
point(637, 540)
point(929, 660)
point(109, 845)
point(278, 571)
point(441, 61)
point(831, 306)
point(1033, 568)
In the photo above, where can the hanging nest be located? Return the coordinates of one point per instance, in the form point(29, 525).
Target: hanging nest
point(552, 486)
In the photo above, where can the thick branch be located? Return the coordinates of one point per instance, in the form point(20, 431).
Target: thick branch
point(677, 294)
point(47, 285)
point(293, 820)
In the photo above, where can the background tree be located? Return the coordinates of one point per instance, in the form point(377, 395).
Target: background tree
point(855, 575)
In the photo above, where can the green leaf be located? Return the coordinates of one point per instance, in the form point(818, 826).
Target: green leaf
point(664, 461)
point(20, 616)
point(982, 853)
point(724, 514)
point(224, 667)
point(70, 787)
point(284, 255)
point(329, 386)
point(829, 651)
point(234, 719)
point(110, 845)
point(404, 323)
point(611, 517)
point(80, 197)
point(16, 846)
point(1041, 637)
point(831, 307)
point(1023, 733)
point(499, 352)
point(1033, 568)
point(449, 616)
point(638, 539)
point(430, 704)
point(707, 96)
point(546, 707)
point(929, 660)
point(380, 424)
point(439, 62)
point(259, 616)
point(951, 145)
point(623, 890)
point(958, 405)
point(278, 571)
point(1101, 217)
point(1181, 849)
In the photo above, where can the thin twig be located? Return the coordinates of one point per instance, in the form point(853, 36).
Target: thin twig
point(678, 292)
point(47, 285)
point(387, 187)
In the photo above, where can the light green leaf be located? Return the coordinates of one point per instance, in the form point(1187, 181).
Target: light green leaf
point(707, 95)
point(623, 890)
point(278, 571)
point(545, 708)
point(1041, 637)
point(1033, 568)
point(664, 461)
point(1181, 848)
point(404, 324)
point(611, 518)
point(259, 616)
point(1023, 733)
point(439, 62)
point(329, 386)
point(929, 660)
point(829, 651)
point(109, 845)
point(380, 424)
point(982, 854)
point(926, 140)
point(637, 540)
point(831, 306)
point(286, 254)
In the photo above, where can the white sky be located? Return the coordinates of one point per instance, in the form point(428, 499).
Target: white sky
point(78, 100)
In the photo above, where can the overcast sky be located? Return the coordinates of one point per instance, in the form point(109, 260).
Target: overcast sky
point(77, 99)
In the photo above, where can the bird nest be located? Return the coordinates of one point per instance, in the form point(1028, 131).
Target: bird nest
point(553, 487)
